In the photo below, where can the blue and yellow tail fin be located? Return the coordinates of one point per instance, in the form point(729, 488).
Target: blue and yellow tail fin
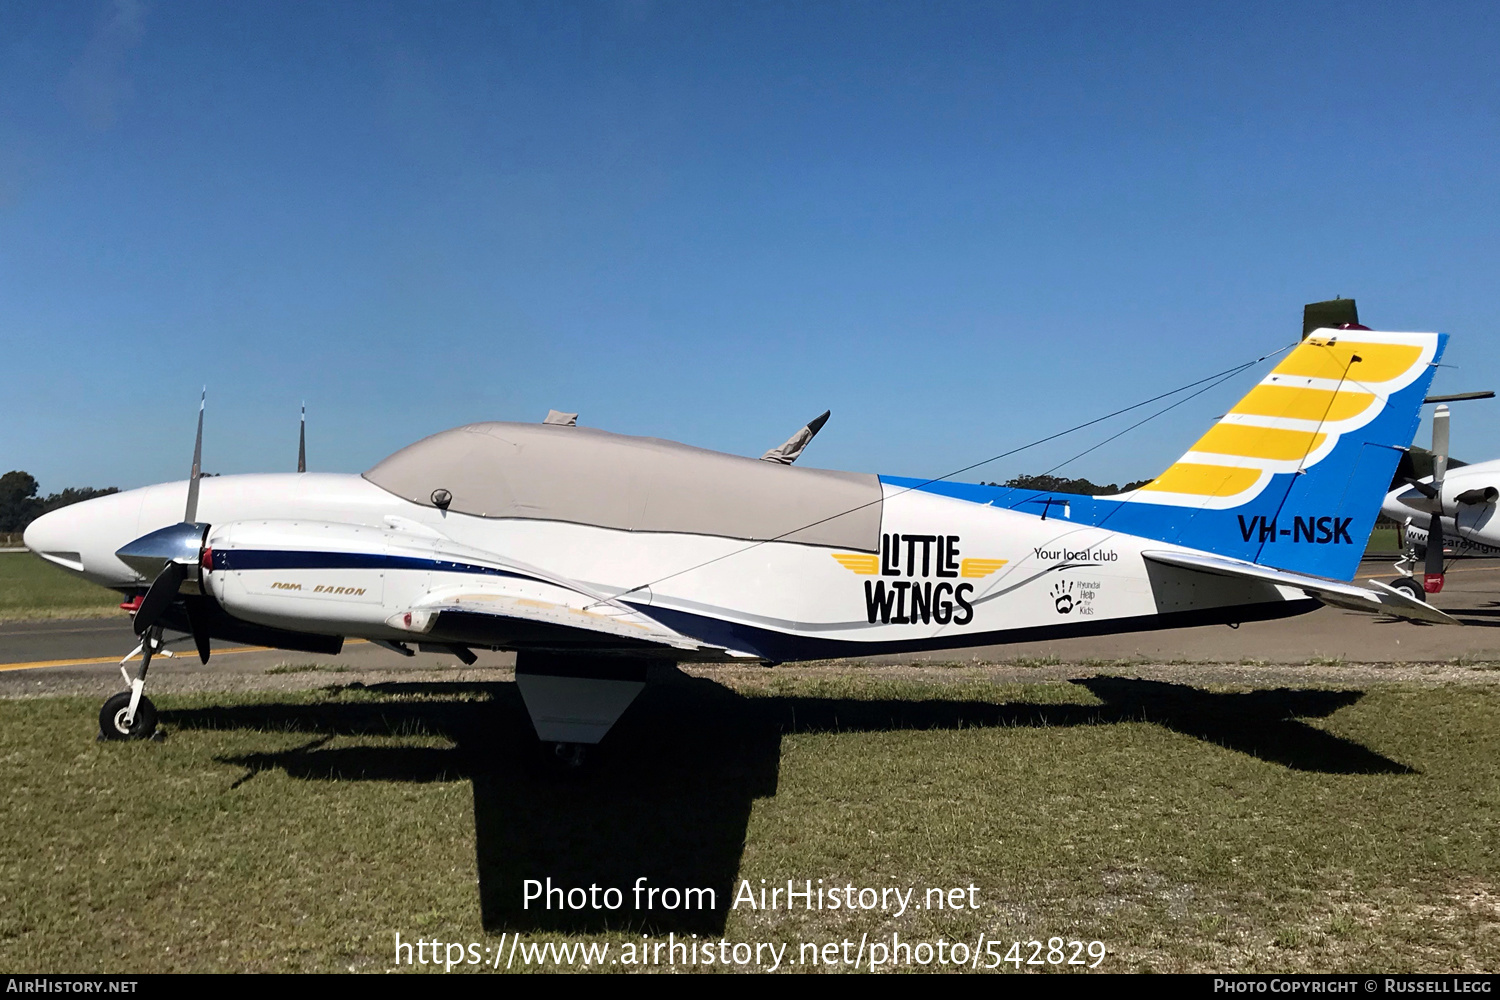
point(1293, 475)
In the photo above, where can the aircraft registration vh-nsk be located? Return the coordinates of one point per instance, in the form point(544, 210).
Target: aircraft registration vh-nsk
point(593, 555)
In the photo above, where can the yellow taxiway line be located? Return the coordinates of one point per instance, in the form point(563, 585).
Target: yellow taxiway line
point(38, 664)
point(110, 659)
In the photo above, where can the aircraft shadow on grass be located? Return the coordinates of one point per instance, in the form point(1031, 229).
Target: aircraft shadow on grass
point(669, 794)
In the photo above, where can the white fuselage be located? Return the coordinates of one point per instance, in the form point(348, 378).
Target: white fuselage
point(950, 573)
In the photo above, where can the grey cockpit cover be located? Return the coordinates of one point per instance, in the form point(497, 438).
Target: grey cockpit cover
point(589, 476)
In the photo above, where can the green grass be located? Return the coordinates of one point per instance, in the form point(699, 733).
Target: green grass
point(1188, 830)
point(1032, 662)
point(32, 589)
point(1384, 541)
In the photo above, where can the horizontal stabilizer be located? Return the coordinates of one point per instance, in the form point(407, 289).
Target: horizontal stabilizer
point(1351, 597)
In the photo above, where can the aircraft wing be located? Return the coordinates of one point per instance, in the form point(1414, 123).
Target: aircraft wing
point(1350, 596)
point(529, 607)
point(563, 620)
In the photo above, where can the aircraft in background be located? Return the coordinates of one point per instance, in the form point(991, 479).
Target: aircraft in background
point(1453, 506)
point(593, 555)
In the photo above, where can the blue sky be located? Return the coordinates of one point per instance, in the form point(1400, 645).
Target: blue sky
point(960, 227)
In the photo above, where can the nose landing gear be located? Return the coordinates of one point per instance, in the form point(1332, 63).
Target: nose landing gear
point(130, 715)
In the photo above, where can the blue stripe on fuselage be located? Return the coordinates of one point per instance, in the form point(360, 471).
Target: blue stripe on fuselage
point(247, 559)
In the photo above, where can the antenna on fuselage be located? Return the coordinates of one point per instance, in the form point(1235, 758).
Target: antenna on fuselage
point(789, 452)
point(302, 442)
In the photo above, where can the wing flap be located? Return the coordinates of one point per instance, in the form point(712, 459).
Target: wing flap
point(1350, 596)
point(575, 623)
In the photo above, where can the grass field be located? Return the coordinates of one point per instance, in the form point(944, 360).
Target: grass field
point(1187, 829)
point(31, 589)
point(1384, 540)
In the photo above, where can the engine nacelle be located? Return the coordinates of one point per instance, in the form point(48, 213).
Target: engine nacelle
point(329, 578)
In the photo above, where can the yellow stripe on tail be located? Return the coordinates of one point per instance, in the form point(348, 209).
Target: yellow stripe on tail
point(1331, 384)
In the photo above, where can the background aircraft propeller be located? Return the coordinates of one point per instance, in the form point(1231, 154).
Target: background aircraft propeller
point(1433, 568)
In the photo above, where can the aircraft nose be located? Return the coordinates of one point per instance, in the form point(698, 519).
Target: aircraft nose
point(50, 537)
point(83, 537)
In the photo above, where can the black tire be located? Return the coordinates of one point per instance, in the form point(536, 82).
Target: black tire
point(1410, 587)
point(570, 756)
point(112, 718)
point(561, 762)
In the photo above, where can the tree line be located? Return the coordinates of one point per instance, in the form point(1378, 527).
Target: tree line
point(1079, 487)
point(20, 503)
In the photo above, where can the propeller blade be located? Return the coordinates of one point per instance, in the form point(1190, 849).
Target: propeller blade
point(1434, 563)
point(1439, 446)
point(1423, 488)
point(163, 591)
point(200, 636)
point(302, 442)
point(191, 514)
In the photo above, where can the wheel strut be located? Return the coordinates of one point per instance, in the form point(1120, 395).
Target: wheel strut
point(130, 715)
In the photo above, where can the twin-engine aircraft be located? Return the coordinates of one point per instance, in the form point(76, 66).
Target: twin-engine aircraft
point(593, 555)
